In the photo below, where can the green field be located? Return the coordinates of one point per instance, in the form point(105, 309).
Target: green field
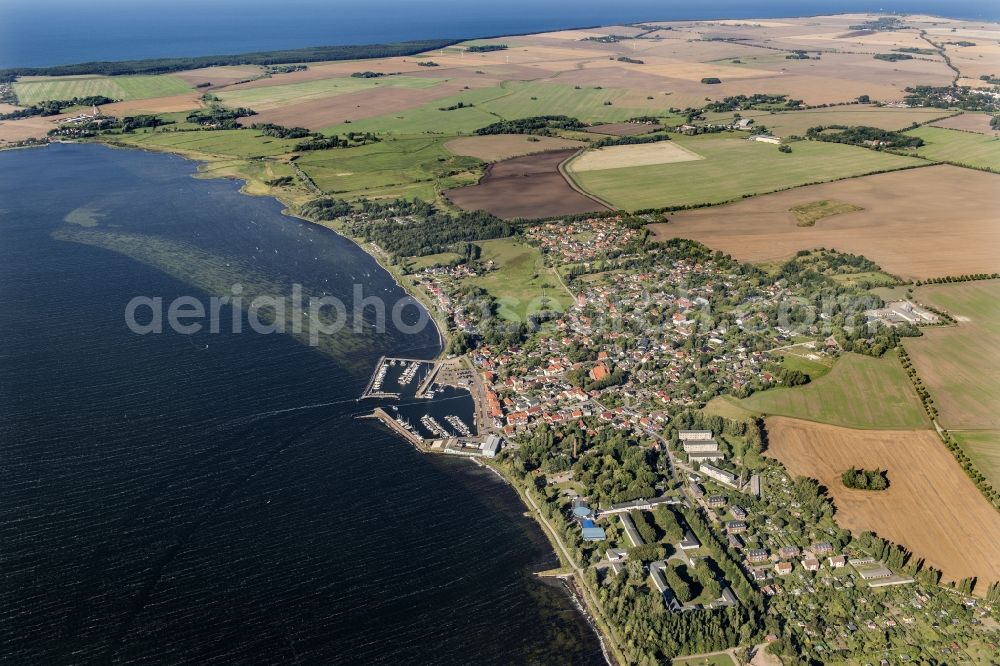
point(37, 89)
point(521, 282)
point(961, 364)
point(416, 167)
point(532, 98)
point(859, 392)
point(511, 99)
point(983, 448)
point(429, 118)
point(733, 167)
point(963, 148)
point(789, 123)
point(293, 93)
point(226, 143)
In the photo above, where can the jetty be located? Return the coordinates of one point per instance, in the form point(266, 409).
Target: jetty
point(396, 426)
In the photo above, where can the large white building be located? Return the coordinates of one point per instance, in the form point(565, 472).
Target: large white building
point(719, 475)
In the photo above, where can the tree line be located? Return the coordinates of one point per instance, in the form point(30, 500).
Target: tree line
point(165, 65)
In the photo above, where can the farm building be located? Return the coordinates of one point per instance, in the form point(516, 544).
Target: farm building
point(764, 138)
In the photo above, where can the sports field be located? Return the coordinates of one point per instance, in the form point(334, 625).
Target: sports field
point(31, 90)
point(961, 364)
point(858, 392)
point(521, 283)
point(931, 507)
point(973, 149)
point(732, 167)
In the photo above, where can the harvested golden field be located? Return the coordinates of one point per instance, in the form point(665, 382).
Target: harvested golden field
point(918, 223)
point(640, 154)
point(220, 76)
point(931, 507)
point(495, 147)
point(171, 104)
point(36, 127)
point(970, 122)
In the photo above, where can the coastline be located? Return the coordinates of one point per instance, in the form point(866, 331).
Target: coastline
point(577, 591)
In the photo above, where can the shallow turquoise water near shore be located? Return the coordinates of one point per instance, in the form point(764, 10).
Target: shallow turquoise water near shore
point(211, 498)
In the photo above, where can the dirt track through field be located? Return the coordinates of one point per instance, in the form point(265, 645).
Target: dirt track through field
point(931, 507)
point(530, 186)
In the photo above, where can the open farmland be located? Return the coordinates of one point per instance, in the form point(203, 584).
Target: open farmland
point(624, 129)
point(494, 147)
point(931, 507)
point(918, 223)
point(790, 123)
point(39, 89)
point(980, 151)
point(272, 97)
point(983, 448)
point(858, 392)
point(732, 167)
point(643, 154)
point(969, 122)
point(396, 167)
point(225, 143)
point(529, 186)
point(960, 364)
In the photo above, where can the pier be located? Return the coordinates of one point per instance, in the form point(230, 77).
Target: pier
point(394, 425)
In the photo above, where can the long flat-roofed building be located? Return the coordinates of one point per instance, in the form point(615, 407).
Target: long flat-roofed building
point(719, 475)
point(693, 445)
point(691, 435)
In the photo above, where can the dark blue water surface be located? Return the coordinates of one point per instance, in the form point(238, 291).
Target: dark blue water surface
point(211, 498)
point(50, 32)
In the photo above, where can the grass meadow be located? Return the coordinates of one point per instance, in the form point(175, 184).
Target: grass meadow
point(733, 167)
point(268, 97)
point(981, 151)
point(960, 365)
point(521, 283)
point(858, 392)
point(398, 167)
point(32, 90)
